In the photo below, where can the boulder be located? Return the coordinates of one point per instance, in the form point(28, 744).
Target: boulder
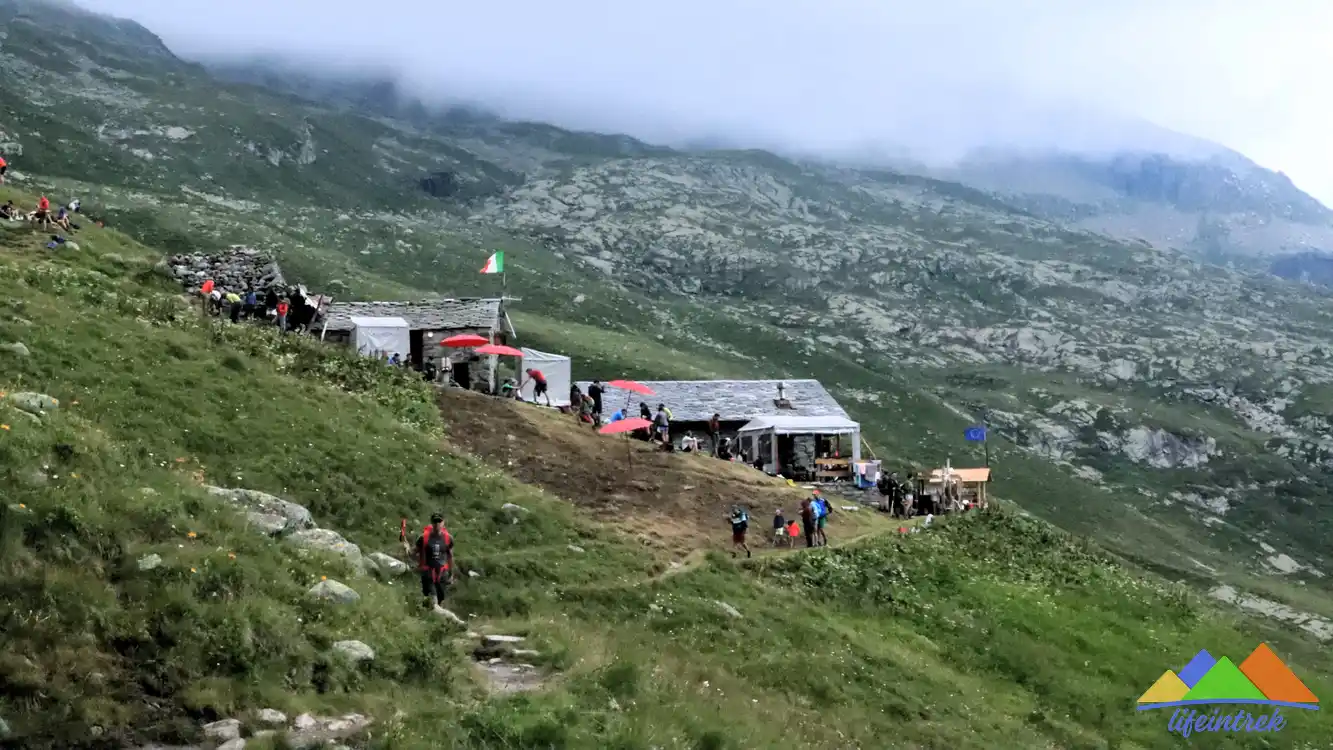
point(296, 516)
point(17, 348)
point(150, 561)
point(492, 640)
point(334, 591)
point(327, 540)
point(386, 565)
point(227, 729)
point(355, 650)
point(271, 716)
point(38, 404)
point(233, 744)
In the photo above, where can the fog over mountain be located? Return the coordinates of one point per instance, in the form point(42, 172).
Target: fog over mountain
point(834, 76)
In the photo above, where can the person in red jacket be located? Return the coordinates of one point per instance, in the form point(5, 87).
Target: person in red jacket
point(435, 559)
point(538, 385)
point(282, 315)
point(4, 167)
point(43, 214)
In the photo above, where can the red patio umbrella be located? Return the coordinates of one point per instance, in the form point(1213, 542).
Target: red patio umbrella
point(626, 425)
point(464, 340)
point(630, 385)
point(498, 349)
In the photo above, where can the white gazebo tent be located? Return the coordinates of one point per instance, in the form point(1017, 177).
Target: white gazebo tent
point(380, 337)
point(555, 367)
point(785, 425)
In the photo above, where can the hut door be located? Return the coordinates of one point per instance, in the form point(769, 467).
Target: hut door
point(417, 348)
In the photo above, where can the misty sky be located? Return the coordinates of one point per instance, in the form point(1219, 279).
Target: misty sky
point(833, 75)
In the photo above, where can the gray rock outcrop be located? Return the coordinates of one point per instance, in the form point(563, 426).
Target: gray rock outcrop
point(266, 510)
point(238, 269)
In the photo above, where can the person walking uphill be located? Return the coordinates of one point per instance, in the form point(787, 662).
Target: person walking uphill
point(740, 523)
point(435, 559)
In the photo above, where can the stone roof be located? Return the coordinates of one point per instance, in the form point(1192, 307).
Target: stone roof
point(424, 315)
point(735, 400)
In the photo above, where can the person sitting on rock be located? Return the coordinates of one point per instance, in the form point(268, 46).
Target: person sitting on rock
point(435, 560)
point(62, 220)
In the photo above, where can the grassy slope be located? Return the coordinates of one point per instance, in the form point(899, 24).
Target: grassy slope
point(990, 632)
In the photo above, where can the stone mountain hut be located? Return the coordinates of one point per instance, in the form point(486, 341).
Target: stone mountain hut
point(789, 424)
point(428, 321)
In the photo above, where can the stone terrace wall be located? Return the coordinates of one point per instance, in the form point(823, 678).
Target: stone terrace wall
point(237, 269)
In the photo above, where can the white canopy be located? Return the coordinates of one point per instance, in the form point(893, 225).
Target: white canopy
point(379, 337)
point(556, 369)
point(802, 425)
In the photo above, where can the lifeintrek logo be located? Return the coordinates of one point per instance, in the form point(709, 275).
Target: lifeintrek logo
point(1261, 680)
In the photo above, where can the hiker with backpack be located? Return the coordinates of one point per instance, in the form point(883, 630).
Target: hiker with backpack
point(822, 510)
point(435, 559)
point(740, 523)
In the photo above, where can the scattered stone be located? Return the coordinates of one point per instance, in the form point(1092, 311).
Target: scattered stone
point(334, 591)
point(17, 348)
point(355, 650)
point(236, 744)
point(512, 508)
point(494, 639)
point(386, 564)
point(473, 574)
point(446, 614)
point(271, 716)
point(576, 548)
point(327, 540)
point(261, 502)
point(37, 404)
point(311, 731)
point(730, 610)
point(227, 729)
point(150, 561)
point(510, 678)
point(528, 652)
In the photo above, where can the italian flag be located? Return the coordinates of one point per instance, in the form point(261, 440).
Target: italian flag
point(495, 263)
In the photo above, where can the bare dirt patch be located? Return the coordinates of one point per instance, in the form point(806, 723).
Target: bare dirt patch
point(677, 498)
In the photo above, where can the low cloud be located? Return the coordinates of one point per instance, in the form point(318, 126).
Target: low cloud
point(831, 75)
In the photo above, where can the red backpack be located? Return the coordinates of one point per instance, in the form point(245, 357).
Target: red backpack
point(435, 548)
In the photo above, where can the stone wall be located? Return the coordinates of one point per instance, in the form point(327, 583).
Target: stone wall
point(803, 453)
point(238, 269)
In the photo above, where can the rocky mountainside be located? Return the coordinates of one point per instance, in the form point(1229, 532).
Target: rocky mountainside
point(1178, 409)
point(1218, 204)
